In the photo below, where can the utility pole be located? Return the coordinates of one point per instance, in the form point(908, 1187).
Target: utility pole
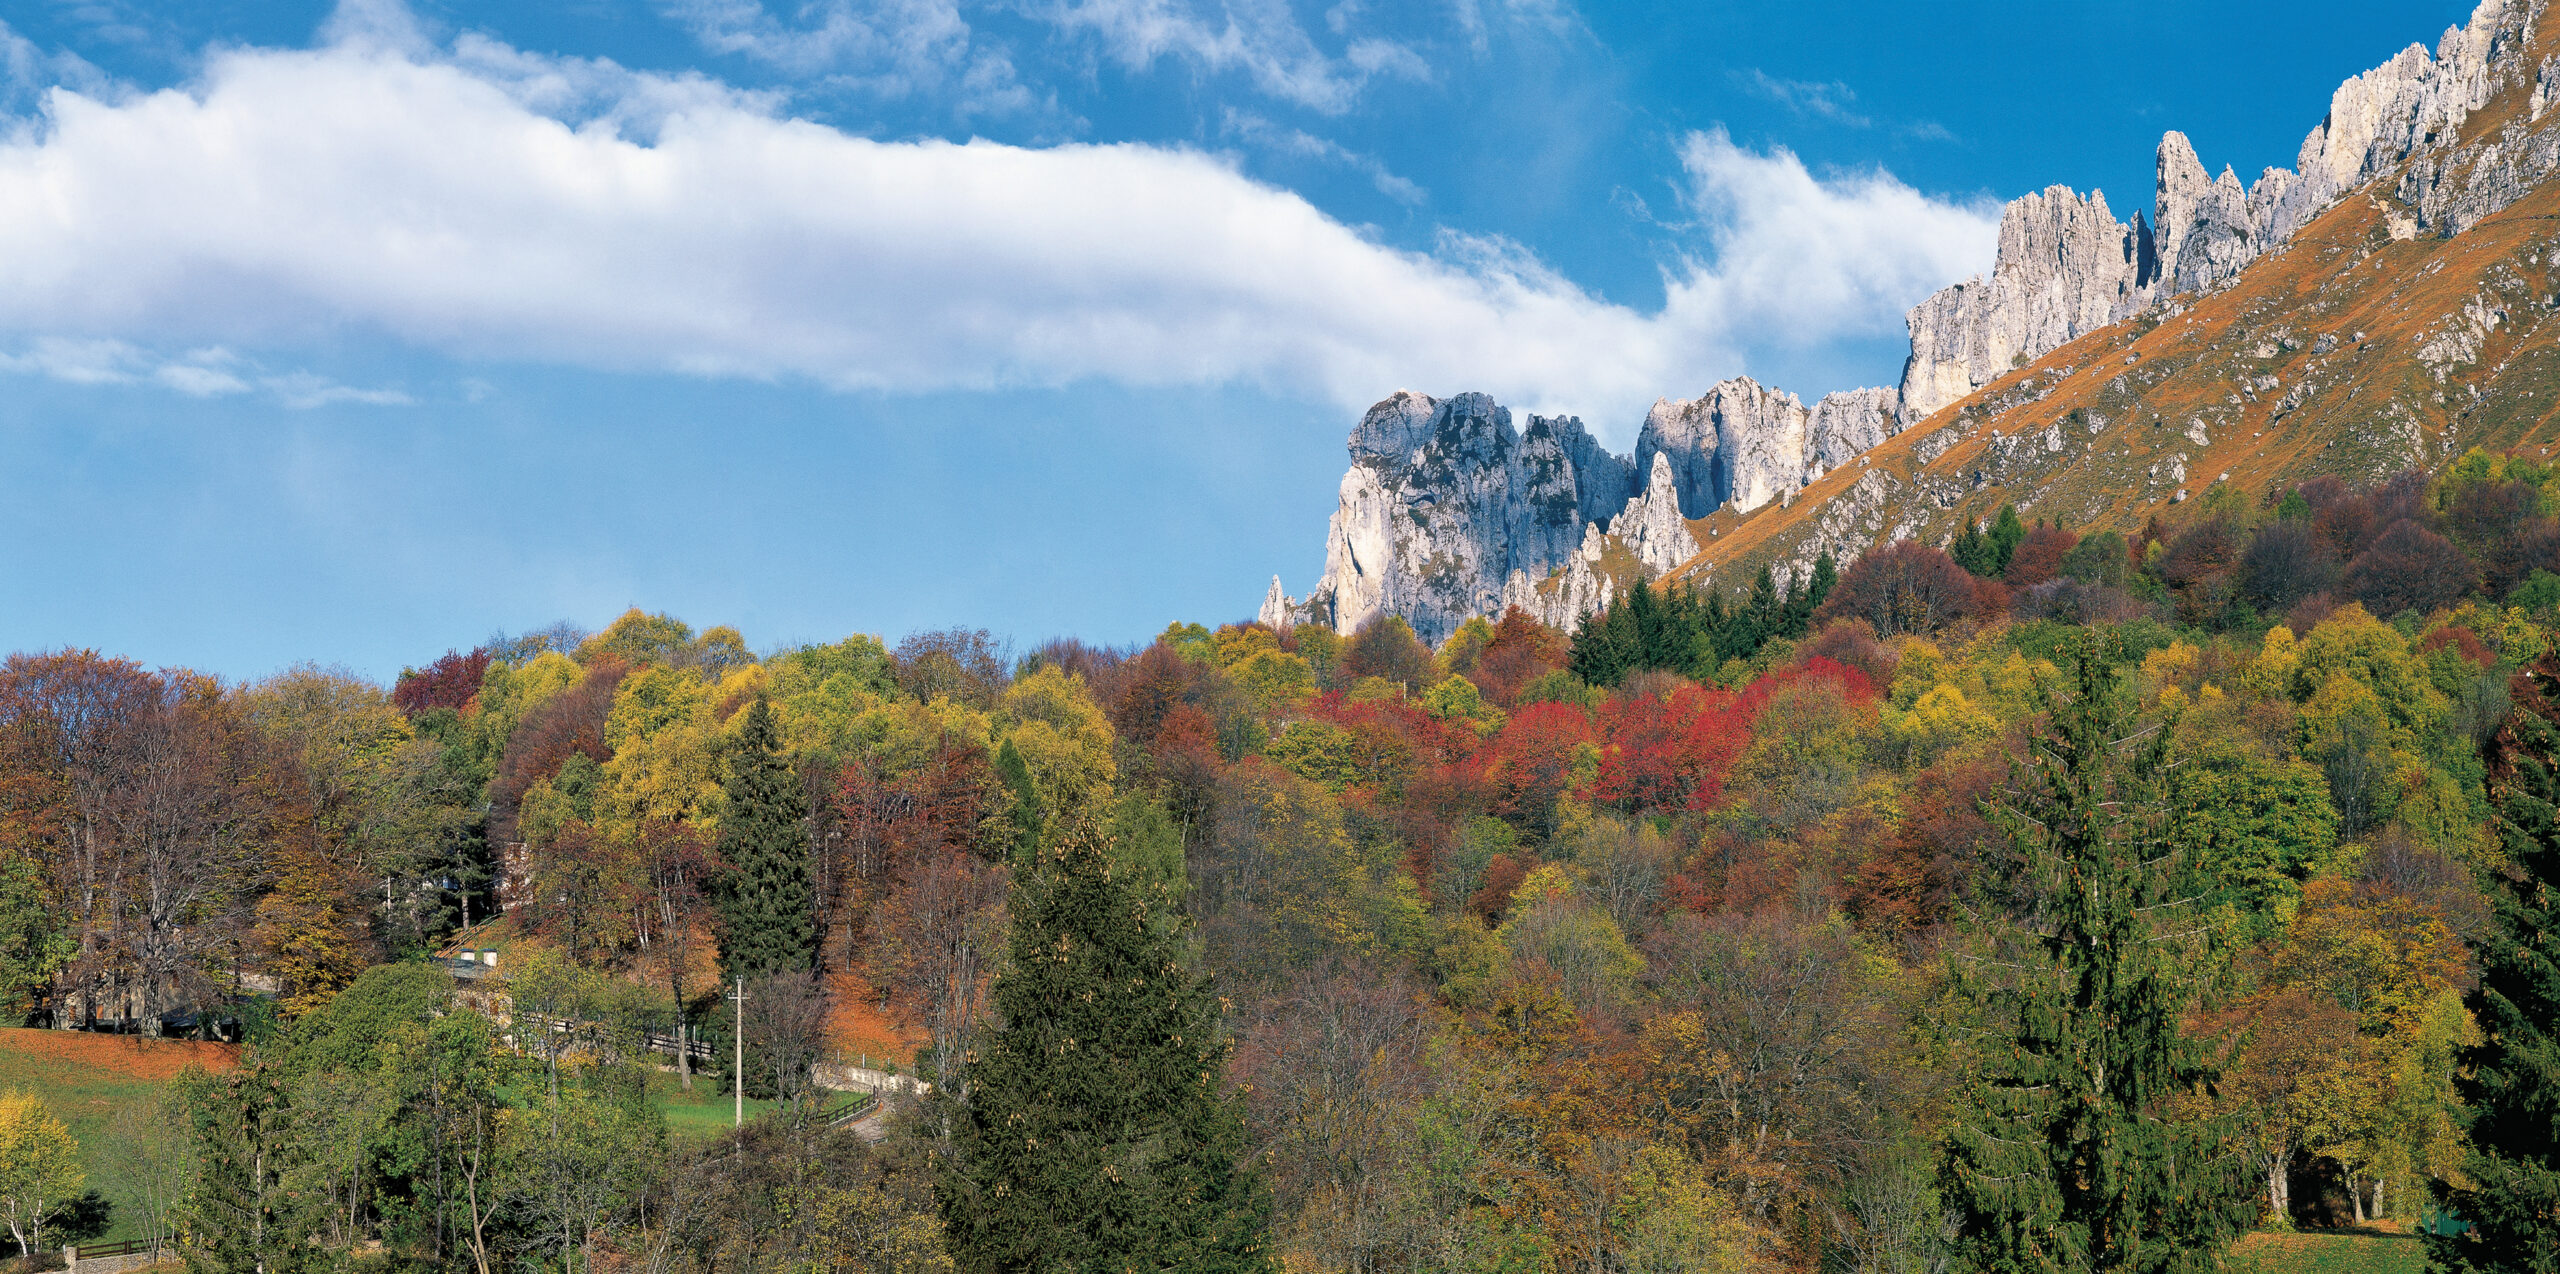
point(738, 1071)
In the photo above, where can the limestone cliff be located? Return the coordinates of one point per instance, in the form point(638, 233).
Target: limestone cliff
point(1443, 502)
point(2067, 267)
point(2388, 305)
point(1446, 512)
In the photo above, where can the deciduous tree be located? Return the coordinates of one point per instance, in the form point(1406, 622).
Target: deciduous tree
point(39, 1167)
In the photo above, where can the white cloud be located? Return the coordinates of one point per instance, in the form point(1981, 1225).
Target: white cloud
point(1261, 38)
point(892, 47)
point(1807, 259)
point(295, 197)
point(26, 71)
point(1262, 132)
point(303, 391)
point(1828, 99)
point(212, 372)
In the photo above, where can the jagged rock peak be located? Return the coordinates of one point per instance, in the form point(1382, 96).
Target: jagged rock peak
point(1447, 512)
point(2066, 267)
point(1651, 526)
point(1745, 444)
point(1443, 502)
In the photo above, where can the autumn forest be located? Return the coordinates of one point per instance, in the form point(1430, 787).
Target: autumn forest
point(2044, 902)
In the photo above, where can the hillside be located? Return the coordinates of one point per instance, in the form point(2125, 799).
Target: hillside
point(2360, 346)
point(107, 1089)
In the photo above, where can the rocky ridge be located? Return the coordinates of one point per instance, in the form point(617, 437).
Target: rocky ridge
point(2413, 317)
point(1446, 513)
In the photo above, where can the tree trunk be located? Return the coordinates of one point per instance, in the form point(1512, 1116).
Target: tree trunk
point(2275, 1190)
point(2377, 1197)
point(2355, 1195)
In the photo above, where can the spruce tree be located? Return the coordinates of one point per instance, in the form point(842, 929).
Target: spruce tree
point(2007, 532)
point(1807, 599)
point(2068, 1158)
point(241, 1217)
point(1972, 551)
point(2509, 1214)
point(765, 898)
point(1098, 1133)
point(1022, 813)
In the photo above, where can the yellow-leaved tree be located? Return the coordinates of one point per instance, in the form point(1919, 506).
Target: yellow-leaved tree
point(1063, 739)
point(667, 733)
point(39, 1167)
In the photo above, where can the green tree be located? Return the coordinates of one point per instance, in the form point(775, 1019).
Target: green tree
point(1099, 1132)
point(2510, 1081)
point(2007, 532)
point(766, 898)
point(2070, 1155)
point(34, 945)
point(240, 1217)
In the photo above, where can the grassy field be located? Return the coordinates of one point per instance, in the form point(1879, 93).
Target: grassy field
point(87, 1080)
point(706, 1111)
point(2317, 1252)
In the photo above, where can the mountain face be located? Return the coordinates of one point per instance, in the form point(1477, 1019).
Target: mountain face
point(1448, 512)
point(2374, 306)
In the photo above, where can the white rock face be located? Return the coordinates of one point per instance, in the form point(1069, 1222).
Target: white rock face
point(1443, 503)
point(1580, 589)
point(1446, 513)
point(1745, 444)
point(1651, 525)
point(1847, 423)
point(1276, 611)
point(2066, 267)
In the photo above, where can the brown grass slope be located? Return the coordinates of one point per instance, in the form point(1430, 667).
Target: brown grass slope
point(2357, 348)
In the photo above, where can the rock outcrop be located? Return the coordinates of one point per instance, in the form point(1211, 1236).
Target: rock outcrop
point(1745, 445)
point(2066, 267)
point(1447, 512)
point(1443, 502)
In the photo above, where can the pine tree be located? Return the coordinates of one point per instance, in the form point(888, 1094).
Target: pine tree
point(2068, 1159)
point(2510, 1081)
point(766, 898)
point(1099, 1133)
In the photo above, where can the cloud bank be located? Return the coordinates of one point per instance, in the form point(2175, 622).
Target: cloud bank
point(485, 203)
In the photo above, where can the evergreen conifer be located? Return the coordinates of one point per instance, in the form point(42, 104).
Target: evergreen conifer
point(241, 1217)
point(765, 898)
point(2507, 1217)
point(1099, 1133)
point(2007, 531)
point(2069, 1158)
point(1972, 551)
point(1022, 811)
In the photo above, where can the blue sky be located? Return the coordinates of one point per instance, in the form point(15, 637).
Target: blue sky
point(352, 332)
